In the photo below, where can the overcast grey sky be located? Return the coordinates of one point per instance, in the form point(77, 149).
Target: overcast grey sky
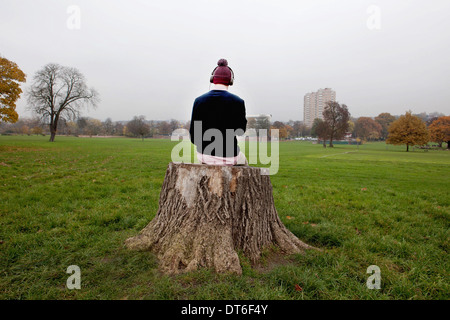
point(154, 57)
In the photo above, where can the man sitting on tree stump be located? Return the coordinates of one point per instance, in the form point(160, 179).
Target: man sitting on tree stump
point(218, 116)
point(208, 214)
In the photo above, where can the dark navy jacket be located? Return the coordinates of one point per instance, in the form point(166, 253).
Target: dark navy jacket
point(221, 110)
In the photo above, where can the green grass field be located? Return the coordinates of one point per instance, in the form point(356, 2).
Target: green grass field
point(75, 201)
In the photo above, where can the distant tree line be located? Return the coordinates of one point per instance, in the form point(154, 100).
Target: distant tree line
point(58, 94)
point(85, 126)
point(408, 129)
point(337, 124)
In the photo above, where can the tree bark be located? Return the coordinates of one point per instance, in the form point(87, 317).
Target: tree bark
point(52, 133)
point(207, 214)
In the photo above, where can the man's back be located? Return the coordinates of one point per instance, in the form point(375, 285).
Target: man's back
point(221, 110)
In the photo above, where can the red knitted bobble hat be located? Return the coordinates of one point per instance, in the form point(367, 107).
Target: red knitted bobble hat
point(222, 74)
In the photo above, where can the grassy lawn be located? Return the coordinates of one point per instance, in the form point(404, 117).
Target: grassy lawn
point(75, 201)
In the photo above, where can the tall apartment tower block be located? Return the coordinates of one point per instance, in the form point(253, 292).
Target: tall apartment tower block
point(314, 103)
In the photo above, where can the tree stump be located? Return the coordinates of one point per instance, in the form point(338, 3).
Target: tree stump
point(208, 213)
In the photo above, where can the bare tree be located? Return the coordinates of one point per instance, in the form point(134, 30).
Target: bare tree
point(138, 127)
point(82, 123)
point(118, 128)
point(108, 127)
point(187, 125)
point(174, 125)
point(59, 92)
point(299, 129)
point(164, 128)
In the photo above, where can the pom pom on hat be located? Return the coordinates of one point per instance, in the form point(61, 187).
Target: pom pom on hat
point(222, 63)
point(222, 73)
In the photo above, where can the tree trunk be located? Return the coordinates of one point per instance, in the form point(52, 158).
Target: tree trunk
point(52, 133)
point(53, 127)
point(208, 213)
point(407, 147)
point(331, 140)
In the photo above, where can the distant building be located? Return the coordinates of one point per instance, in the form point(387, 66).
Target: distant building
point(314, 103)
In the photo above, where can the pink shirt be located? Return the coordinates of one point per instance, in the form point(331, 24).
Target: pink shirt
point(218, 161)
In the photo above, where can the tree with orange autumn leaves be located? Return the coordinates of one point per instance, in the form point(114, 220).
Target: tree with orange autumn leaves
point(440, 131)
point(283, 129)
point(10, 78)
point(409, 130)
